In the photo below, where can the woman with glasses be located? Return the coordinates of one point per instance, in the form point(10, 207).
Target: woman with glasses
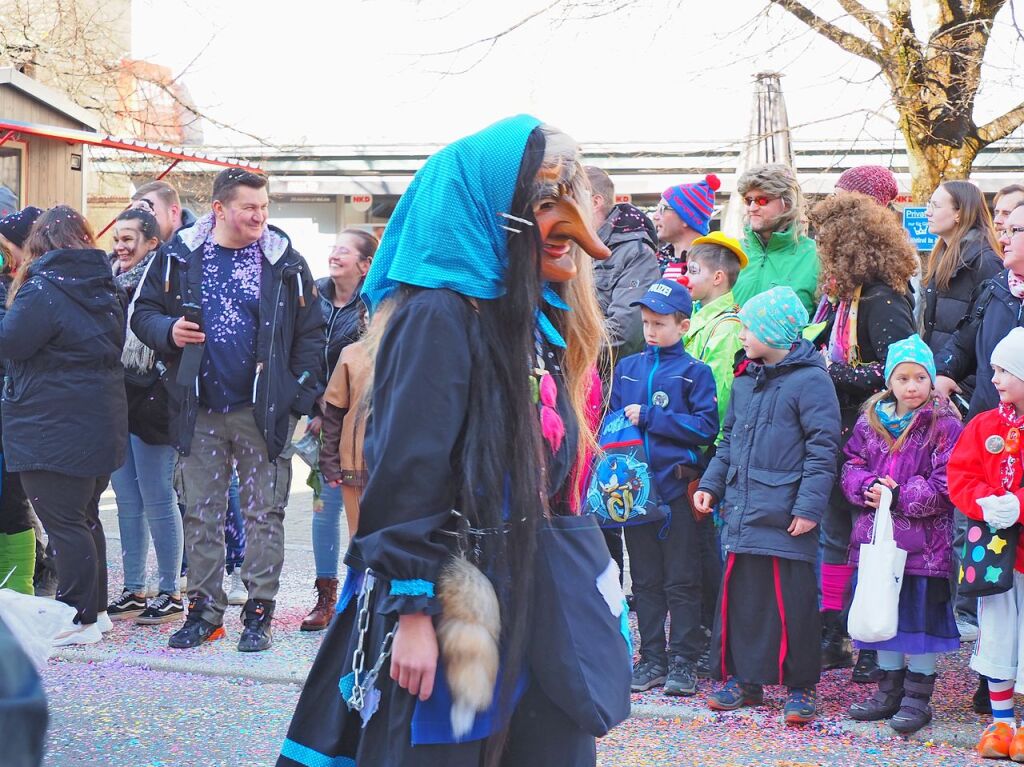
point(965, 255)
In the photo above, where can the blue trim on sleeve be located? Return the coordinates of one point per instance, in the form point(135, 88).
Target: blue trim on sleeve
point(413, 588)
point(310, 758)
point(624, 627)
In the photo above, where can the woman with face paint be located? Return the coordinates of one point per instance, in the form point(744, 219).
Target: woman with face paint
point(444, 649)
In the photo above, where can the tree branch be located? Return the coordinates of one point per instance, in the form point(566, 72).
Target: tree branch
point(867, 19)
point(845, 40)
point(1002, 126)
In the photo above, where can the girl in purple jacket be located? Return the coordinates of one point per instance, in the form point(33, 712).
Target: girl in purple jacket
point(903, 440)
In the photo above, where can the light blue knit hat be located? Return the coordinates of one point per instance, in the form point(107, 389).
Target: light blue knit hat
point(775, 317)
point(911, 349)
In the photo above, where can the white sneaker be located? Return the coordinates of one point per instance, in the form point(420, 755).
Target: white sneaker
point(103, 622)
point(78, 633)
point(968, 631)
point(237, 593)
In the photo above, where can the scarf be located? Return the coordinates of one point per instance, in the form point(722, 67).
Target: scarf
point(841, 344)
point(1016, 284)
point(1011, 451)
point(894, 424)
point(136, 355)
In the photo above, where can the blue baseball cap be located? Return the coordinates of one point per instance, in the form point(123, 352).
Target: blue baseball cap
point(667, 297)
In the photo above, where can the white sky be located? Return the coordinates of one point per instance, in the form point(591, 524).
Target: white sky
point(354, 71)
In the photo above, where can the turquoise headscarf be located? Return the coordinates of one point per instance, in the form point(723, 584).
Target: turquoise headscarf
point(446, 231)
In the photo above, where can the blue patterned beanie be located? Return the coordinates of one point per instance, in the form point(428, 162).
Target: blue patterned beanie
point(775, 317)
point(911, 349)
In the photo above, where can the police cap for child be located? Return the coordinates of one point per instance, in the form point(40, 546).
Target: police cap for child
point(666, 297)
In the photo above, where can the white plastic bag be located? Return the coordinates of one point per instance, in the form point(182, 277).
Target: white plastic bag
point(34, 621)
point(875, 612)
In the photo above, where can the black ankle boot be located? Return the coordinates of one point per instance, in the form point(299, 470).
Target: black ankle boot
point(981, 703)
point(866, 670)
point(914, 711)
point(835, 644)
point(886, 700)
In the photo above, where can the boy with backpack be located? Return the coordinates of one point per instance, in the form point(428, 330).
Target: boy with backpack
point(670, 397)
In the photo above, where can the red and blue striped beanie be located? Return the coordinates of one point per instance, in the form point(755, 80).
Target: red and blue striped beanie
point(695, 203)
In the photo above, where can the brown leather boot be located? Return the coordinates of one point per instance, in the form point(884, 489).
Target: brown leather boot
point(326, 597)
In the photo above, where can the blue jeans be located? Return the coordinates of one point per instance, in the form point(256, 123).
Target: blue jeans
point(327, 532)
point(144, 490)
point(234, 530)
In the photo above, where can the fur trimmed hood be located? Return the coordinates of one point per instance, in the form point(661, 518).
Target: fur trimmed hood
point(273, 242)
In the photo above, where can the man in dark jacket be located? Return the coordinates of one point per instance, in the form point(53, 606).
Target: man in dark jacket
point(237, 383)
point(161, 199)
point(633, 266)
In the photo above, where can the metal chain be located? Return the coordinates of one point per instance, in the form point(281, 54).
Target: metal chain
point(356, 699)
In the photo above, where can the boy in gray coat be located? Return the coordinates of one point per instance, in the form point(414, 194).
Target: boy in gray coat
point(773, 473)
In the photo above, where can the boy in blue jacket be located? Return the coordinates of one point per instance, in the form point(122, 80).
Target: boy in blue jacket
point(670, 396)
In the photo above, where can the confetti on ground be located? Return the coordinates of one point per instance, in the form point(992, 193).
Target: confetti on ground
point(109, 707)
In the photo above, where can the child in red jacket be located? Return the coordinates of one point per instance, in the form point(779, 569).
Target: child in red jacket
point(985, 475)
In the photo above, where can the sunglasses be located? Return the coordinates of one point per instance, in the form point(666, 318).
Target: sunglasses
point(760, 200)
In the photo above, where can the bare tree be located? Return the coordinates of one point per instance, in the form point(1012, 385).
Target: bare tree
point(82, 48)
point(933, 78)
point(934, 75)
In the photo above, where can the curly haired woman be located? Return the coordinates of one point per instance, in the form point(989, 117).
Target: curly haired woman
point(866, 264)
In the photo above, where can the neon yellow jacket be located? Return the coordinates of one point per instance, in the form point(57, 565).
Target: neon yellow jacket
point(714, 339)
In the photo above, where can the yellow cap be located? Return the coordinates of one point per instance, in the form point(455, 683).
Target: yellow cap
point(720, 238)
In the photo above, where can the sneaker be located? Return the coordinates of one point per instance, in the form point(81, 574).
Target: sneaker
point(128, 605)
point(681, 679)
point(801, 705)
point(968, 631)
point(647, 674)
point(163, 609)
point(256, 632)
point(103, 622)
point(735, 695)
point(196, 630)
point(78, 633)
point(238, 594)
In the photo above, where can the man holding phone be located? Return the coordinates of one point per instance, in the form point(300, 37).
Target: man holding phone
point(231, 309)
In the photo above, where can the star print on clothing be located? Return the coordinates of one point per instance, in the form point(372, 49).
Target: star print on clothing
point(996, 546)
point(992, 574)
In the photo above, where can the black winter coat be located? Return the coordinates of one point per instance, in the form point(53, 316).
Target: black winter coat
point(884, 316)
point(777, 458)
point(289, 344)
point(343, 327)
point(996, 312)
point(64, 407)
point(944, 311)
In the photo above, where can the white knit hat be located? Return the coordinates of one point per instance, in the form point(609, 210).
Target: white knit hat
point(1009, 353)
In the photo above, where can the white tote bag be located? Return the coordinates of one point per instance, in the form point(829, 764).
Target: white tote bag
point(875, 612)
